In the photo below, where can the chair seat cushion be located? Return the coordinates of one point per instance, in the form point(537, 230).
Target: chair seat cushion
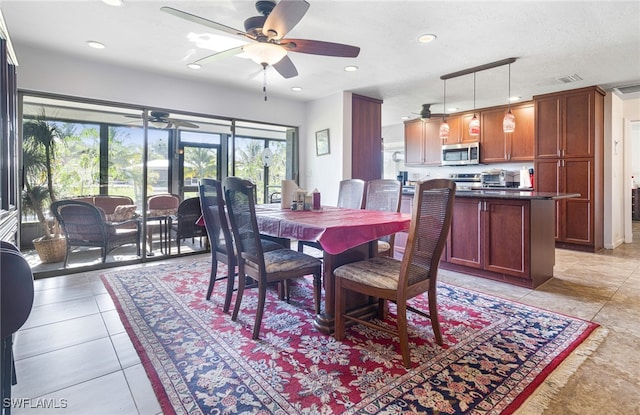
point(379, 272)
point(283, 260)
point(122, 213)
point(268, 245)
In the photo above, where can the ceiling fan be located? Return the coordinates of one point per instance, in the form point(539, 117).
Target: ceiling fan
point(161, 118)
point(266, 33)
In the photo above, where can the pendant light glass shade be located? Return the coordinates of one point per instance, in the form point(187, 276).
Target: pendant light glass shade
point(444, 127)
point(474, 124)
point(444, 130)
point(509, 121)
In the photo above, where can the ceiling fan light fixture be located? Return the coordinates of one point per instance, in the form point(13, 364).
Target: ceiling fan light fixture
point(265, 53)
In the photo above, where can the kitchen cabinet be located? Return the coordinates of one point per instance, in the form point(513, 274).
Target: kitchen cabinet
point(459, 129)
point(422, 142)
point(490, 234)
point(569, 130)
point(507, 239)
point(496, 146)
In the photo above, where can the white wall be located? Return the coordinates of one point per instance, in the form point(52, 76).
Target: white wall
point(614, 183)
point(325, 172)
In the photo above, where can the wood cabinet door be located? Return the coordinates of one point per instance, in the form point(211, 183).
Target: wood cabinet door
point(413, 142)
point(432, 148)
point(507, 225)
point(578, 132)
point(548, 127)
point(492, 139)
point(464, 127)
point(520, 142)
point(464, 245)
point(549, 179)
point(455, 129)
point(577, 213)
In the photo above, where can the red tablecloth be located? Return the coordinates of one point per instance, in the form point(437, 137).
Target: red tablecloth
point(336, 229)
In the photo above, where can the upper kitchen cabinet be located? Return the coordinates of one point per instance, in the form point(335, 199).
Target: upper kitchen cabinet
point(459, 129)
point(566, 123)
point(422, 143)
point(498, 146)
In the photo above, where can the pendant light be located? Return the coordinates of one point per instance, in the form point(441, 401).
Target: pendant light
point(474, 124)
point(509, 121)
point(444, 127)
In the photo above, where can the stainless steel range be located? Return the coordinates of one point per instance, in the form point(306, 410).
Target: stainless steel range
point(466, 181)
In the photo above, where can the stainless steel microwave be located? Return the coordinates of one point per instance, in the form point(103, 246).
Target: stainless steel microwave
point(460, 154)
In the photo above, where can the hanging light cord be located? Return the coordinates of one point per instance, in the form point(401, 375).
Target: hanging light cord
point(509, 95)
point(474, 94)
point(444, 104)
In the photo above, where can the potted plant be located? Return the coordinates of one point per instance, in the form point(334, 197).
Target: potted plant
point(39, 139)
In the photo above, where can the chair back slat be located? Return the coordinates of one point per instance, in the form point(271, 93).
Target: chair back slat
point(430, 223)
point(215, 218)
point(384, 195)
point(82, 223)
point(351, 194)
point(239, 195)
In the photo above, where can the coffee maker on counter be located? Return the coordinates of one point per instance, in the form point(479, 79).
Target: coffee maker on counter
point(402, 177)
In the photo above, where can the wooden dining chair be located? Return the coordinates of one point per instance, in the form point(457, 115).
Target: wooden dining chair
point(398, 281)
point(350, 196)
point(220, 238)
point(263, 267)
point(384, 195)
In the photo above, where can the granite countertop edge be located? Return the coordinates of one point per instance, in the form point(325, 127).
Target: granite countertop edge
point(511, 194)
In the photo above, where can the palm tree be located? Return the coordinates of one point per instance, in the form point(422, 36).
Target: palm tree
point(39, 141)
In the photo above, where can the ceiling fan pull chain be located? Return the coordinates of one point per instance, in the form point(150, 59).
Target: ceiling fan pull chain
point(264, 81)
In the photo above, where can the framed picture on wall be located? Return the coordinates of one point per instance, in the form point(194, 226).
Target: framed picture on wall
point(322, 142)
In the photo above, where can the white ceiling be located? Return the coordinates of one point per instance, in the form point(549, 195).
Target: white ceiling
point(599, 41)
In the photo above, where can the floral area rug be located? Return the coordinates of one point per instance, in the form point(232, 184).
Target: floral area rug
point(495, 354)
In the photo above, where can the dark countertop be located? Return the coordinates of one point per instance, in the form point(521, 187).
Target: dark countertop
point(511, 193)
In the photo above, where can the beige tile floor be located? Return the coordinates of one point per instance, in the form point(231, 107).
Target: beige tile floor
point(74, 349)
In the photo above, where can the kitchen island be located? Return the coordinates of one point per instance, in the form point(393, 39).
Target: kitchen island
point(501, 234)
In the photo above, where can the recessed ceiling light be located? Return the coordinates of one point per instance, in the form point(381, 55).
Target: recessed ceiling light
point(351, 68)
point(406, 117)
point(194, 66)
point(95, 45)
point(452, 109)
point(113, 2)
point(512, 99)
point(296, 88)
point(427, 37)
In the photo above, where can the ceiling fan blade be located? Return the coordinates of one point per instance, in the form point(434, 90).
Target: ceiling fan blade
point(173, 123)
point(206, 22)
point(317, 47)
point(286, 68)
point(284, 16)
point(219, 55)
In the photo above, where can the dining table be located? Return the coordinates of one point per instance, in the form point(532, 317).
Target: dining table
point(345, 235)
